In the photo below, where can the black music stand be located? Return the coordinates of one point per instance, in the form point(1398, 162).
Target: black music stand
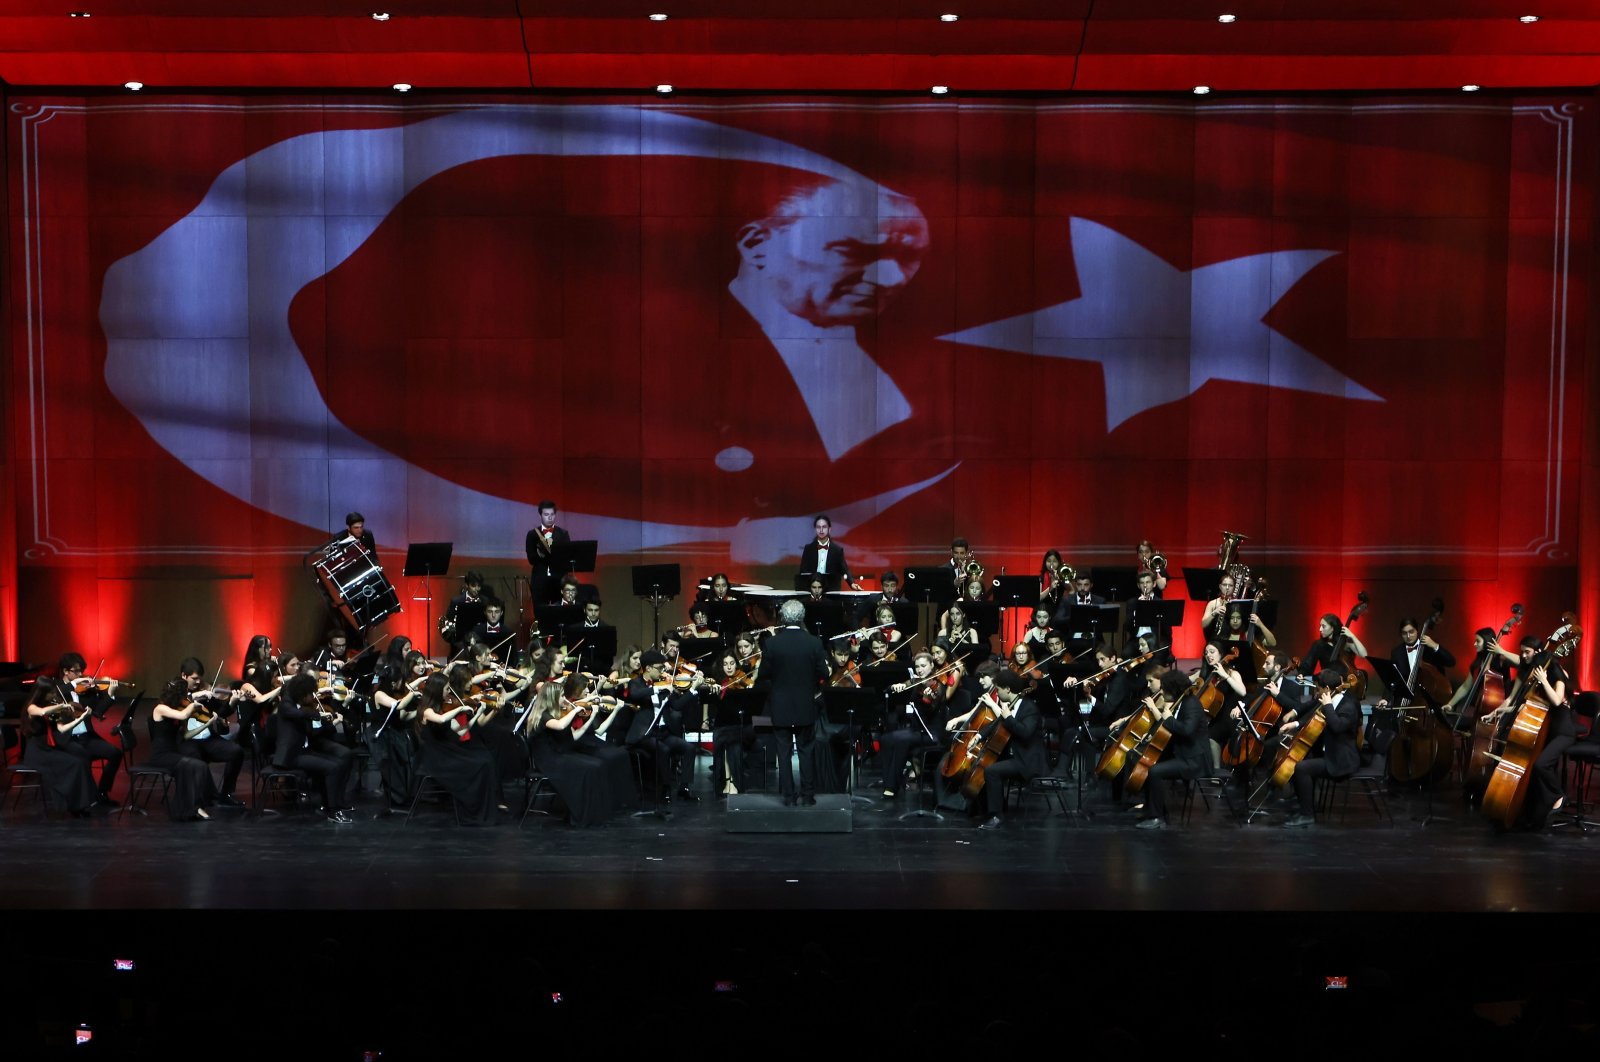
point(725, 617)
point(599, 647)
point(556, 619)
point(824, 618)
point(1116, 583)
point(1202, 582)
point(657, 583)
point(575, 556)
point(427, 559)
point(856, 710)
point(1017, 591)
point(983, 617)
point(931, 586)
point(1095, 619)
point(1160, 615)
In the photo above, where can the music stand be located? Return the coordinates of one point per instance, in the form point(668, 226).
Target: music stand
point(824, 618)
point(983, 617)
point(1116, 582)
point(725, 617)
point(931, 586)
point(1016, 591)
point(842, 706)
point(1202, 582)
point(427, 559)
point(576, 556)
point(556, 619)
point(657, 583)
point(599, 647)
point(1160, 615)
point(1094, 619)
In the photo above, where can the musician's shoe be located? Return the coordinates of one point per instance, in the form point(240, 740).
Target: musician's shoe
point(683, 796)
point(994, 823)
point(788, 800)
point(228, 800)
point(809, 801)
point(888, 794)
point(1152, 823)
point(339, 815)
point(1299, 821)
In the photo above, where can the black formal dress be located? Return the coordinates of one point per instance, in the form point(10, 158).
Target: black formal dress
point(915, 720)
point(67, 780)
point(393, 742)
point(793, 667)
point(83, 741)
point(205, 746)
point(465, 766)
point(1561, 732)
point(192, 785)
point(584, 783)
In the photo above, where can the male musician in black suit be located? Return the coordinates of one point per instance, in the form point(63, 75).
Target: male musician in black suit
point(494, 632)
point(794, 665)
point(465, 611)
point(541, 543)
point(657, 726)
point(202, 744)
point(1188, 751)
point(1340, 757)
point(825, 557)
point(1293, 702)
point(1024, 756)
point(82, 740)
point(355, 525)
point(1415, 647)
point(1082, 593)
point(297, 707)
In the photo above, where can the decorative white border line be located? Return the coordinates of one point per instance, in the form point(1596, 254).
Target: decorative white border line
point(1562, 117)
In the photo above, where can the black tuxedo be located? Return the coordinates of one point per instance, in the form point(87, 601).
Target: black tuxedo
point(1340, 758)
point(1188, 754)
point(494, 636)
point(838, 568)
point(1441, 658)
point(657, 728)
point(1064, 610)
point(293, 749)
point(545, 577)
point(1025, 756)
point(793, 667)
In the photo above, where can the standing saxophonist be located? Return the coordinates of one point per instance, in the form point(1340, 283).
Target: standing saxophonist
point(541, 545)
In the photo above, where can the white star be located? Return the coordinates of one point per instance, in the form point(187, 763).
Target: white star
point(1159, 333)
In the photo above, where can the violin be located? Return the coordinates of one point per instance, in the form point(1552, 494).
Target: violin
point(85, 684)
point(846, 677)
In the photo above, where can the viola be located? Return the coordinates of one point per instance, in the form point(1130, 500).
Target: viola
point(1525, 740)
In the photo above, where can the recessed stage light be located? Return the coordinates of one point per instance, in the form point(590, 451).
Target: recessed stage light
point(402, 86)
point(1225, 19)
point(380, 16)
point(78, 14)
point(1528, 20)
point(949, 18)
point(940, 90)
point(658, 18)
point(1470, 88)
point(665, 90)
point(133, 86)
point(1201, 90)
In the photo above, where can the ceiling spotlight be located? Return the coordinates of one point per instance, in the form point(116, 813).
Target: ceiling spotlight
point(1528, 19)
point(949, 18)
point(402, 86)
point(77, 14)
point(1227, 18)
point(380, 16)
point(1470, 88)
point(664, 89)
point(940, 90)
point(658, 18)
point(133, 86)
point(1201, 90)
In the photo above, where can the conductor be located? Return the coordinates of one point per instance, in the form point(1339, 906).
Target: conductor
point(793, 667)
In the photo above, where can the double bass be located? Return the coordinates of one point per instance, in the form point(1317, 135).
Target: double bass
point(1508, 784)
point(1347, 656)
point(1424, 744)
point(1487, 693)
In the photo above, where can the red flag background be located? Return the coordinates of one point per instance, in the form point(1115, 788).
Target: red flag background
point(560, 324)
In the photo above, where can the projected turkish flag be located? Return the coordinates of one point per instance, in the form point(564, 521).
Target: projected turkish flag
point(1031, 324)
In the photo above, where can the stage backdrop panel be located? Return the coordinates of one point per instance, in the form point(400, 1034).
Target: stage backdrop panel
point(1352, 329)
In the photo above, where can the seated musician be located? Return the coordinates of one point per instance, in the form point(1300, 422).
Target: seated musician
point(1340, 757)
point(89, 703)
point(1052, 584)
point(1038, 632)
point(1215, 670)
point(193, 789)
point(1546, 793)
point(296, 709)
point(816, 591)
point(914, 722)
point(335, 652)
point(954, 629)
point(202, 743)
point(749, 653)
point(1111, 697)
point(889, 591)
point(1321, 652)
point(1024, 755)
point(973, 590)
point(67, 780)
point(657, 726)
point(494, 631)
point(1022, 662)
point(717, 591)
point(959, 667)
point(1290, 695)
point(452, 752)
point(1146, 643)
point(729, 744)
point(394, 737)
point(1240, 633)
point(1214, 620)
point(493, 683)
point(593, 779)
point(1147, 554)
point(884, 620)
point(879, 657)
point(465, 611)
point(699, 625)
point(1188, 751)
point(1082, 594)
point(1147, 592)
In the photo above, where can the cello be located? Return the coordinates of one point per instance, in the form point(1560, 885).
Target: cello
point(1424, 744)
point(1205, 689)
point(1257, 720)
point(1508, 784)
point(1304, 740)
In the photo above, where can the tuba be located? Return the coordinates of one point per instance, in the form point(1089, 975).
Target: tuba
point(1228, 552)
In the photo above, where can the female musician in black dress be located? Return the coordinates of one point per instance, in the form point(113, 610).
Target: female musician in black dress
point(955, 630)
point(729, 744)
point(1051, 583)
point(581, 781)
point(68, 781)
point(454, 755)
point(394, 733)
point(193, 789)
